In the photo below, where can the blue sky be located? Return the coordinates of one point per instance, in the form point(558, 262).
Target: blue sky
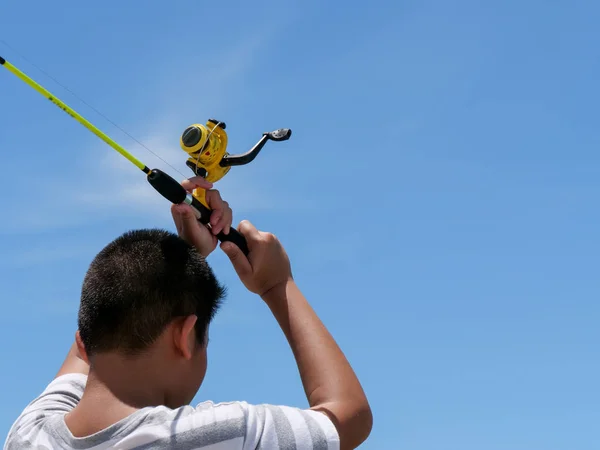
point(437, 199)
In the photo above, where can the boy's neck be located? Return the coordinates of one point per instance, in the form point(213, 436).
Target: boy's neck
point(97, 410)
point(115, 389)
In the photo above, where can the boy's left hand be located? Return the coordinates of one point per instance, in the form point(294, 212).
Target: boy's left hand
point(190, 229)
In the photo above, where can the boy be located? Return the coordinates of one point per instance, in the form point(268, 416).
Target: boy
point(140, 352)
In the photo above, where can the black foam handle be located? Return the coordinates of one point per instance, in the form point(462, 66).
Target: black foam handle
point(170, 189)
point(234, 235)
point(167, 186)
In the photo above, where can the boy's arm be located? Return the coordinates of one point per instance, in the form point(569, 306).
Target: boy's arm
point(330, 384)
point(73, 363)
point(59, 397)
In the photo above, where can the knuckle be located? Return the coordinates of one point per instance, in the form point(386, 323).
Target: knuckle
point(269, 238)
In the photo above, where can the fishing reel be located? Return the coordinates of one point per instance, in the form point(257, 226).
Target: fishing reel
point(206, 146)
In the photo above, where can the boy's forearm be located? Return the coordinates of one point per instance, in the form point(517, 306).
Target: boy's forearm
point(330, 384)
point(73, 363)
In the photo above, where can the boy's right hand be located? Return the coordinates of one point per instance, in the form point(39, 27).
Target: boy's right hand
point(267, 264)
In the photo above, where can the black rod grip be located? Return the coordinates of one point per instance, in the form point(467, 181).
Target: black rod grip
point(234, 235)
point(167, 186)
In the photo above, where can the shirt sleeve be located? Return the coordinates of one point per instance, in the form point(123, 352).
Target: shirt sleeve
point(60, 396)
point(280, 427)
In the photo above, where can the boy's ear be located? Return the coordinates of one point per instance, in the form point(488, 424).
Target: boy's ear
point(185, 336)
point(81, 348)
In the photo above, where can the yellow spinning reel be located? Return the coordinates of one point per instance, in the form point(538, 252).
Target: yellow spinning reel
point(207, 147)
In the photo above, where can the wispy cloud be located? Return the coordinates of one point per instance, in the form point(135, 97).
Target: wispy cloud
point(111, 186)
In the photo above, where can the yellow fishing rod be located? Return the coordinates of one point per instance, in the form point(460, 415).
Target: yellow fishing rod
point(206, 146)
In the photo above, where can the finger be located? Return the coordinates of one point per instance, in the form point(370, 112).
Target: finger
point(215, 216)
point(248, 230)
point(215, 220)
point(227, 218)
point(222, 224)
point(186, 221)
point(196, 182)
point(213, 199)
point(176, 214)
point(238, 259)
point(189, 228)
point(183, 216)
point(216, 203)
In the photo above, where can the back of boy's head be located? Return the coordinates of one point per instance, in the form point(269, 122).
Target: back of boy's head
point(137, 285)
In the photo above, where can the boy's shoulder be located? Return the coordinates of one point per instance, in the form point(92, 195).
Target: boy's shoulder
point(232, 425)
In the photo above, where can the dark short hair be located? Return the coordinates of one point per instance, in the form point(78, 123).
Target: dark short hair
point(138, 284)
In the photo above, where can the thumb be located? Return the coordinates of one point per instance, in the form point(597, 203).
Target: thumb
point(181, 212)
point(238, 259)
point(190, 228)
point(189, 222)
point(186, 213)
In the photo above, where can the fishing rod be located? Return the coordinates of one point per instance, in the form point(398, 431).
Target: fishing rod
point(206, 145)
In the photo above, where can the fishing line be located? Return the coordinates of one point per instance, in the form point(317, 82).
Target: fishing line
point(2, 41)
point(215, 163)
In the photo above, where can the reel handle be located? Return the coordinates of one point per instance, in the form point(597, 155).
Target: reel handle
point(234, 235)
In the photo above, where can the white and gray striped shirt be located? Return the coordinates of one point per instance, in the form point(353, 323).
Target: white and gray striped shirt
point(208, 426)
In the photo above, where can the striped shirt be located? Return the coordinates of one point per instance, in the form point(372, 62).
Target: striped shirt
point(208, 426)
